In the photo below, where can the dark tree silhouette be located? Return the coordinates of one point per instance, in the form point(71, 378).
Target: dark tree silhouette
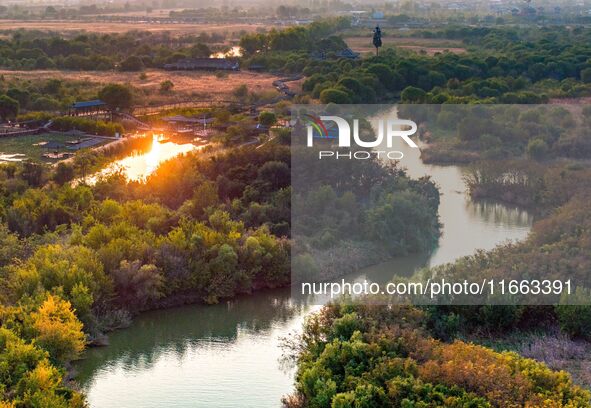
point(377, 39)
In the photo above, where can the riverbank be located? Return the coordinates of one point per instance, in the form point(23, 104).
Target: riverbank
point(443, 155)
point(237, 342)
point(199, 353)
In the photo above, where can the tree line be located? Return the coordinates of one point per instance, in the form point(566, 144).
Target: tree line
point(501, 65)
point(132, 51)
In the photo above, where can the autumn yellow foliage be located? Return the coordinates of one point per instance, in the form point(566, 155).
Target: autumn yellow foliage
point(58, 330)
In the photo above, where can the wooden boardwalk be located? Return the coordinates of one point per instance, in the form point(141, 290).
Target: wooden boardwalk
point(22, 132)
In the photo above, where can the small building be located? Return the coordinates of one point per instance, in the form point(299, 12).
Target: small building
point(347, 53)
point(84, 143)
point(207, 64)
point(88, 108)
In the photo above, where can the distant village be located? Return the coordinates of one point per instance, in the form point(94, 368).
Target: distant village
point(362, 13)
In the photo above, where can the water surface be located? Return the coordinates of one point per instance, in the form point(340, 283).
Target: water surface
point(228, 355)
point(139, 166)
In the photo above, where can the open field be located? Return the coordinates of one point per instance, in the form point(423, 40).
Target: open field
point(553, 348)
point(429, 45)
point(19, 148)
point(187, 84)
point(115, 27)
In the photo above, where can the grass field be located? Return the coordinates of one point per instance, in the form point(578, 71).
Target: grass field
point(428, 45)
point(25, 147)
point(187, 84)
point(553, 348)
point(116, 27)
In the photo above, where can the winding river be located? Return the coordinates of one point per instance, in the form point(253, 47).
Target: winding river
point(229, 355)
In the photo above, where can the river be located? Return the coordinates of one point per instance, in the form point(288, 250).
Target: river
point(228, 355)
point(140, 165)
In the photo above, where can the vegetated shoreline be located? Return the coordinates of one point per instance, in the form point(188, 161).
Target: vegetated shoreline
point(352, 256)
point(179, 299)
point(508, 198)
point(523, 195)
point(348, 258)
point(440, 155)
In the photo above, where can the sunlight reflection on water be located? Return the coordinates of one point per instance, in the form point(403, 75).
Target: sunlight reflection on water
point(139, 166)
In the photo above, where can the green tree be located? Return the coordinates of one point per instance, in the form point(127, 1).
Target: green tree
point(82, 163)
point(132, 63)
point(574, 315)
point(391, 79)
point(250, 44)
point(472, 127)
point(412, 94)
point(136, 284)
point(241, 91)
point(63, 173)
point(33, 173)
point(276, 173)
point(166, 86)
point(45, 103)
point(537, 149)
point(22, 96)
point(200, 50)
point(8, 107)
point(332, 95)
point(267, 118)
point(205, 196)
point(58, 267)
point(117, 96)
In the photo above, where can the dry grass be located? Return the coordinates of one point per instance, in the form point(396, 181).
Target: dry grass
point(553, 348)
point(428, 45)
point(196, 84)
point(583, 100)
point(561, 353)
point(115, 27)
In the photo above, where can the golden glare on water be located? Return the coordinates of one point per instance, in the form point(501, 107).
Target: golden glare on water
point(153, 156)
point(139, 166)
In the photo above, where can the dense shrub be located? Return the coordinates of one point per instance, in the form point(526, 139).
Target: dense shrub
point(98, 127)
point(382, 357)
